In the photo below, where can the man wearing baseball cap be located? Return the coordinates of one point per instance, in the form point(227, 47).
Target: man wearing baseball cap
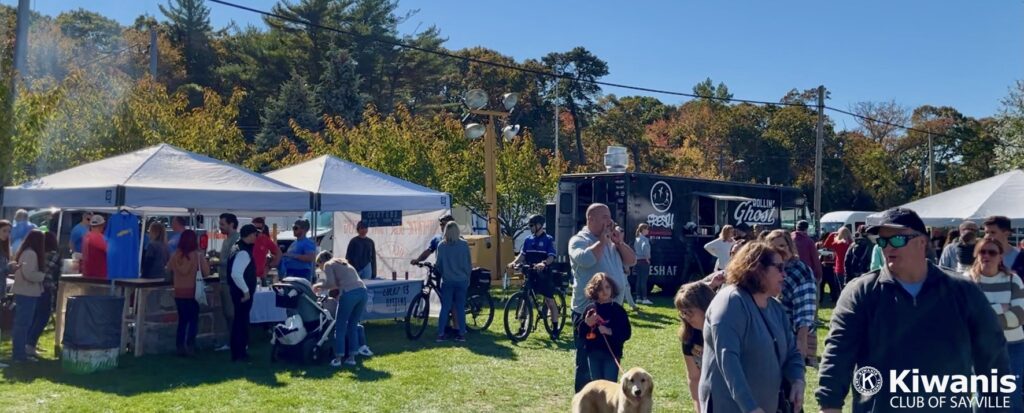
point(907, 315)
point(94, 249)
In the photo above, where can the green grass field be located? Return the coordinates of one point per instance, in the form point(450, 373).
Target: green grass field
point(486, 374)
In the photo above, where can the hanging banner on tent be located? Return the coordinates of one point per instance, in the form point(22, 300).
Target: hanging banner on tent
point(382, 218)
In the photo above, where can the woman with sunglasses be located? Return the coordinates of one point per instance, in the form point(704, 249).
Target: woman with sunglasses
point(1005, 292)
point(739, 372)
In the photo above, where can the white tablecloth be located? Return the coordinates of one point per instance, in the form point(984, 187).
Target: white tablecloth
point(264, 308)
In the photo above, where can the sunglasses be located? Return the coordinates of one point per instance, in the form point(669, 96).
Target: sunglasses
point(895, 241)
point(296, 228)
point(988, 253)
point(780, 265)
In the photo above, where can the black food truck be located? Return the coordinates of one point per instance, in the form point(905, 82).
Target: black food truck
point(683, 215)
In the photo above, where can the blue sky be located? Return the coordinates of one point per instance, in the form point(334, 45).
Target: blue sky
point(960, 54)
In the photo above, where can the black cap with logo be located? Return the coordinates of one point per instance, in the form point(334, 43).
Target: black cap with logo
point(898, 218)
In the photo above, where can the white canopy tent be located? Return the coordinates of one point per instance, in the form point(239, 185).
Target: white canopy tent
point(159, 179)
point(349, 189)
point(999, 195)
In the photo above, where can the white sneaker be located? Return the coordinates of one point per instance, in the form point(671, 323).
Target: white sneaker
point(223, 348)
point(365, 351)
point(351, 361)
point(335, 362)
point(646, 301)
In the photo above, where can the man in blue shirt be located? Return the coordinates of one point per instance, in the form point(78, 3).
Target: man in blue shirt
point(433, 241)
point(79, 231)
point(539, 252)
point(177, 227)
point(20, 229)
point(298, 260)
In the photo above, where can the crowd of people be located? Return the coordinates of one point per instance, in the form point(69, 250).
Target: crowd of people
point(959, 310)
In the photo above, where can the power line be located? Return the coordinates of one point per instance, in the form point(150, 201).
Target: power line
point(554, 75)
point(870, 119)
point(542, 73)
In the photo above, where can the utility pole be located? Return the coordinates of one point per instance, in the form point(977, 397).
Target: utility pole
point(819, 142)
point(931, 166)
point(556, 129)
point(18, 70)
point(21, 39)
point(154, 52)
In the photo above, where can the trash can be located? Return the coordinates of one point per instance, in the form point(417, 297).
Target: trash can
point(92, 333)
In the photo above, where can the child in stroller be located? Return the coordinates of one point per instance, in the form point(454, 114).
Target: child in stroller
point(308, 332)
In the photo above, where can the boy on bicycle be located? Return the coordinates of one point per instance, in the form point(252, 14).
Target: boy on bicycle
point(539, 252)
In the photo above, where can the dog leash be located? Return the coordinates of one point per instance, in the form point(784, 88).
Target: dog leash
point(612, 353)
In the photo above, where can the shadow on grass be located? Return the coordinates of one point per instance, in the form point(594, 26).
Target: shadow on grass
point(160, 373)
point(388, 338)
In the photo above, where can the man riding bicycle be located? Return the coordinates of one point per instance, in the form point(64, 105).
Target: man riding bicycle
point(539, 252)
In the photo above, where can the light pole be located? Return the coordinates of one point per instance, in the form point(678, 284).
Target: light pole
point(476, 100)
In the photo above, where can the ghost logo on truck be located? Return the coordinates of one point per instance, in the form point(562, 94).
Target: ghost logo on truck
point(756, 211)
point(661, 196)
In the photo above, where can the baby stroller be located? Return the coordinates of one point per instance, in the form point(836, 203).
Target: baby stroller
point(307, 335)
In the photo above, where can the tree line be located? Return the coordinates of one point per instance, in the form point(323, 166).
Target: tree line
point(267, 97)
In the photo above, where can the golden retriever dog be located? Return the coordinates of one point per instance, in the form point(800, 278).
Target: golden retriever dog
point(633, 394)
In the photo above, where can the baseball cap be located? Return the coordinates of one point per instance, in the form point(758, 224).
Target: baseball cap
point(898, 218)
point(97, 220)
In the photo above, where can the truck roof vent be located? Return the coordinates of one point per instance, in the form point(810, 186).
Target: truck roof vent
point(616, 159)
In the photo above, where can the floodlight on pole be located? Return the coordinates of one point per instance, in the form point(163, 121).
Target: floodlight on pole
point(475, 99)
point(509, 100)
point(510, 132)
point(475, 130)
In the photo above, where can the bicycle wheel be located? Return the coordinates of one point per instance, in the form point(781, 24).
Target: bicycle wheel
point(556, 329)
point(479, 311)
point(417, 315)
point(518, 317)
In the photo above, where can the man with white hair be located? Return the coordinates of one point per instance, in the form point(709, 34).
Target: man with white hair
point(598, 247)
point(20, 229)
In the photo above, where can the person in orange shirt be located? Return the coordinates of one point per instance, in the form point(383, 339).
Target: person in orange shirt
point(264, 246)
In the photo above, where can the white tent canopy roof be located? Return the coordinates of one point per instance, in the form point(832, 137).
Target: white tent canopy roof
point(345, 186)
point(999, 195)
point(160, 178)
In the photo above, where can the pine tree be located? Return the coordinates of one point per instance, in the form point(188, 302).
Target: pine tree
point(338, 91)
point(190, 28)
point(296, 102)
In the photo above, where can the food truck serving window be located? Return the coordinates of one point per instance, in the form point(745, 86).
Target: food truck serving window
point(713, 211)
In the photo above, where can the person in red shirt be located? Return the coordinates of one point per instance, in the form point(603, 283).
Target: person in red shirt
point(839, 242)
point(94, 249)
point(264, 246)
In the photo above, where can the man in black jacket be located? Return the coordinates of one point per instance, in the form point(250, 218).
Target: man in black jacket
point(242, 285)
point(907, 323)
point(858, 258)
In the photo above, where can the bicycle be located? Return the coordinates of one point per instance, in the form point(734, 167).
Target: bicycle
point(479, 306)
point(519, 314)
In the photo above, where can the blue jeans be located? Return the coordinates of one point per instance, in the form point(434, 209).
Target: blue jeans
point(581, 365)
point(602, 366)
point(24, 314)
point(188, 323)
point(351, 306)
point(41, 319)
point(453, 299)
point(1016, 352)
point(643, 272)
point(366, 272)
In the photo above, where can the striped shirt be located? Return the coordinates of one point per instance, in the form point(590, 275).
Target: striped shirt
point(1006, 289)
point(799, 294)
